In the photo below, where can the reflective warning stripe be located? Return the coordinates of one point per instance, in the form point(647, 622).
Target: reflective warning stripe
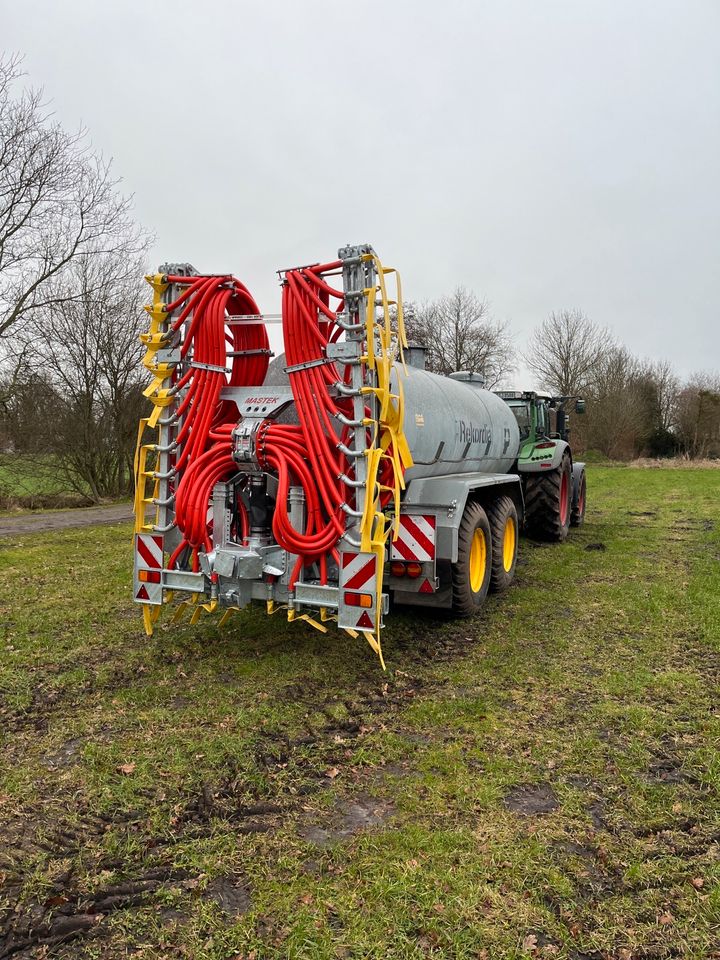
point(358, 577)
point(416, 538)
point(358, 572)
point(365, 575)
point(149, 548)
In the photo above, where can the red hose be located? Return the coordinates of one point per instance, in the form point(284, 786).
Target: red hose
point(305, 454)
point(203, 456)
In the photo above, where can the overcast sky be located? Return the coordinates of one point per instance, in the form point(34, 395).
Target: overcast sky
point(545, 153)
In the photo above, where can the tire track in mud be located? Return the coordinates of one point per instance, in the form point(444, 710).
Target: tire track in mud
point(67, 913)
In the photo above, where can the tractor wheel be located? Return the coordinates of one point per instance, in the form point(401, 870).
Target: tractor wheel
point(577, 514)
point(504, 527)
point(471, 573)
point(548, 499)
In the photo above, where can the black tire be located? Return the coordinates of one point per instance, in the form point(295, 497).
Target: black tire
point(469, 589)
point(577, 515)
point(503, 519)
point(544, 519)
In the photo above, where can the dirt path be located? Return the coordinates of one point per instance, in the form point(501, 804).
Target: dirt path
point(63, 519)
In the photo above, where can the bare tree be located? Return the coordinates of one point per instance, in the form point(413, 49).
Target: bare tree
point(698, 416)
point(58, 204)
point(460, 334)
point(564, 351)
point(665, 386)
point(91, 355)
point(617, 421)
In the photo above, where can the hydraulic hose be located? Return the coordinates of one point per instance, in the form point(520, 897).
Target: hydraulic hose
point(312, 454)
point(204, 445)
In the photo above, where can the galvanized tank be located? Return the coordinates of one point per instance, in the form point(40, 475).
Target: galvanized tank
point(453, 425)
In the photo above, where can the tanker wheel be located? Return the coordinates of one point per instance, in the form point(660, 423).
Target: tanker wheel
point(504, 527)
point(548, 498)
point(471, 574)
point(577, 514)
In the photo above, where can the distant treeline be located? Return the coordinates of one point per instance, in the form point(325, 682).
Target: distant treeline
point(635, 407)
point(71, 296)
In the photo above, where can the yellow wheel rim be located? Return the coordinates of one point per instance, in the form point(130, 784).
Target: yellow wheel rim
point(509, 544)
point(478, 561)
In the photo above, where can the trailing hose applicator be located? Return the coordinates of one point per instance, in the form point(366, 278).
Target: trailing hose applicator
point(298, 498)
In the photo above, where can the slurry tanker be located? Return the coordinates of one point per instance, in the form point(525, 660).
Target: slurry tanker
point(342, 475)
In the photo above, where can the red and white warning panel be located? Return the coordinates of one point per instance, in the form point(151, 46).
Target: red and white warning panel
point(358, 594)
point(147, 580)
point(416, 538)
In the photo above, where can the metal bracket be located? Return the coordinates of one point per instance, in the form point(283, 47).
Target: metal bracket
point(236, 318)
point(251, 353)
point(307, 365)
point(344, 350)
point(213, 368)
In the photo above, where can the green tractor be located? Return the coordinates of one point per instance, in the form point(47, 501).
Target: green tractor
point(554, 487)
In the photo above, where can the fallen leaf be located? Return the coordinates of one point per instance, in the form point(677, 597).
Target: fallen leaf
point(529, 944)
point(665, 919)
point(698, 883)
point(677, 808)
point(332, 773)
point(55, 901)
point(624, 954)
point(127, 768)
point(307, 899)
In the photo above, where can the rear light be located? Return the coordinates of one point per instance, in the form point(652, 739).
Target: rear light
point(545, 446)
point(359, 600)
point(397, 569)
point(413, 570)
point(149, 576)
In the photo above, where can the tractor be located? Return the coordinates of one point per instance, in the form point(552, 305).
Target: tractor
point(554, 487)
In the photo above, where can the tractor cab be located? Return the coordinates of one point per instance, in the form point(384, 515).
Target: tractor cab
point(540, 416)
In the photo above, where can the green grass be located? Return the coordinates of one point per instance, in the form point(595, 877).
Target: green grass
point(35, 482)
point(373, 815)
point(25, 475)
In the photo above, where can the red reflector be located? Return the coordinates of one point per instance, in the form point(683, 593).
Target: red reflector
point(414, 570)
point(365, 623)
point(149, 576)
point(397, 569)
point(544, 446)
point(142, 594)
point(359, 599)
point(426, 587)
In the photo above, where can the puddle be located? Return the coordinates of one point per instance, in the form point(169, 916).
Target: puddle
point(352, 816)
point(66, 755)
point(233, 899)
point(531, 799)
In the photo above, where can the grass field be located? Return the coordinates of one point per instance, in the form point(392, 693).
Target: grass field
point(542, 781)
point(34, 482)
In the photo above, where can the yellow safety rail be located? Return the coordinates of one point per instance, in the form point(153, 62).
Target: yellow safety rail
point(159, 392)
point(389, 442)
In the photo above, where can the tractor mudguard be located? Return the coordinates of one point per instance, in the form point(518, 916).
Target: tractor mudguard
point(542, 456)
